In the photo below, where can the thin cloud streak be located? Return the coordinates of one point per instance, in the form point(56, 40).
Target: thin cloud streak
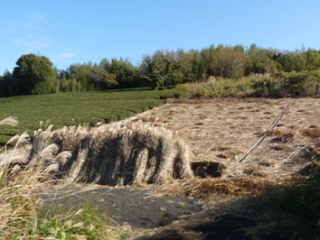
point(33, 42)
point(67, 55)
point(33, 22)
point(38, 17)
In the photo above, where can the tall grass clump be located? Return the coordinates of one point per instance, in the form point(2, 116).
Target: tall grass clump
point(21, 207)
point(121, 153)
point(22, 215)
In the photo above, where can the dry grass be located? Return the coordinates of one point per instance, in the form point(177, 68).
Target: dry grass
point(255, 171)
point(280, 147)
point(229, 153)
point(12, 121)
point(202, 188)
point(223, 131)
point(116, 154)
point(20, 203)
point(268, 162)
point(21, 213)
point(312, 132)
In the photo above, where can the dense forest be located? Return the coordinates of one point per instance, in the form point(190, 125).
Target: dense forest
point(164, 69)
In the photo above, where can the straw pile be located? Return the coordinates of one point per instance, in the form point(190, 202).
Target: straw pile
point(115, 154)
point(202, 188)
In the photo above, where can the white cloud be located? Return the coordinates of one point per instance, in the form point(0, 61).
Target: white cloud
point(37, 17)
point(31, 22)
point(33, 42)
point(66, 55)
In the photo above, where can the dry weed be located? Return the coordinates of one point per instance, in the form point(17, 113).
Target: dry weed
point(202, 188)
point(268, 162)
point(254, 171)
point(280, 147)
point(116, 154)
point(313, 132)
point(229, 153)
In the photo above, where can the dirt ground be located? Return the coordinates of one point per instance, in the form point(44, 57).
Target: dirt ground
point(135, 207)
point(220, 130)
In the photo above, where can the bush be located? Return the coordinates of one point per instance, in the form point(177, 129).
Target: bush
point(294, 84)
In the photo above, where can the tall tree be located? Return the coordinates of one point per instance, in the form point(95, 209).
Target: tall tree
point(5, 84)
point(198, 66)
point(263, 60)
point(163, 69)
point(228, 63)
point(292, 62)
point(101, 79)
point(34, 75)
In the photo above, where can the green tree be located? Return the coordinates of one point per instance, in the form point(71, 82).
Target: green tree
point(162, 69)
point(105, 64)
point(5, 84)
point(228, 63)
point(206, 54)
point(262, 60)
point(292, 62)
point(198, 66)
point(78, 72)
point(312, 59)
point(101, 79)
point(126, 74)
point(34, 75)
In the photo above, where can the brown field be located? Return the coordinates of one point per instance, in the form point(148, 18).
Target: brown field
point(225, 129)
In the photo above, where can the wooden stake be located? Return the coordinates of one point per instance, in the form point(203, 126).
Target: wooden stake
point(262, 138)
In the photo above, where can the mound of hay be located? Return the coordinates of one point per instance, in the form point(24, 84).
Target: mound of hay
point(115, 154)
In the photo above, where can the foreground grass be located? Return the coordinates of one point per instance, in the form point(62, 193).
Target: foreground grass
point(22, 211)
point(22, 215)
point(69, 109)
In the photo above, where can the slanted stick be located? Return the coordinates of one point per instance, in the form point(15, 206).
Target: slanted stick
point(263, 137)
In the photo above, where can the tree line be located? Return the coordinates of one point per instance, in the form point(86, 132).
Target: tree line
point(164, 69)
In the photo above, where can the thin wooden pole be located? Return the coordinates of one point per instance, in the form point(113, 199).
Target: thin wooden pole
point(263, 137)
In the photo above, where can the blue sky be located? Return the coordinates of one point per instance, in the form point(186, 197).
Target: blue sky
point(71, 31)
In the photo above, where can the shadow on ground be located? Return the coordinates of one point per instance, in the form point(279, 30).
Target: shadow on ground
point(141, 210)
point(222, 228)
point(136, 208)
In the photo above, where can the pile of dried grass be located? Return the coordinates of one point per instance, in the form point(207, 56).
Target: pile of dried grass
point(201, 188)
point(115, 154)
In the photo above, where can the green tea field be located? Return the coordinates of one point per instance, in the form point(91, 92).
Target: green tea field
point(74, 108)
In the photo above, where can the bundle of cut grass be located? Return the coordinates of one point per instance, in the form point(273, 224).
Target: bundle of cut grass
point(120, 153)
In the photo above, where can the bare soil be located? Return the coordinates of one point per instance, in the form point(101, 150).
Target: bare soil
point(134, 207)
